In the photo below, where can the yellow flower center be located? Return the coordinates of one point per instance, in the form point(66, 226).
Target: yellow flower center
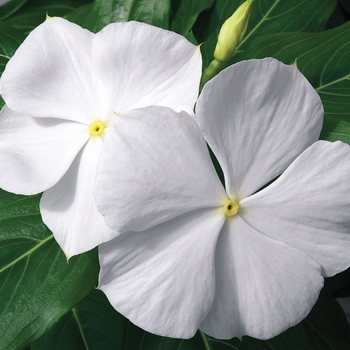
point(97, 128)
point(230, 207)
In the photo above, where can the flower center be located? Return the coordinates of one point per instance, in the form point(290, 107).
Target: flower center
point(97, 128)
point(230, 207)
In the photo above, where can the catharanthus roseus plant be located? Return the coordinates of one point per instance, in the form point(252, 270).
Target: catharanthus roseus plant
point(234, 260)
point(246, 254)
point(63, 89)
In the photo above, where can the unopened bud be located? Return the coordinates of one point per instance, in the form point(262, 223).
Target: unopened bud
point(232, 32)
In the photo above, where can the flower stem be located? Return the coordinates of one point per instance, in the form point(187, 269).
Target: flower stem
point(205, 340)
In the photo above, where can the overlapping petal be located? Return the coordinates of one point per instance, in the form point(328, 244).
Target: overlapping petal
point(146, 66)
point(35, 153)
point(51, 74)
point(69, 209)
point(308, 206)
point(162, 279)
point(258, 116)
point(154, 166)
point(262, 287)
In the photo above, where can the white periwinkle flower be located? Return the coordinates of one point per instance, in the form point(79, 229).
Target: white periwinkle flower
point(62, 89)
point(230, 261)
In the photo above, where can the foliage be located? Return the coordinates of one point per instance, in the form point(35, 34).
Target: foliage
point(47, 303)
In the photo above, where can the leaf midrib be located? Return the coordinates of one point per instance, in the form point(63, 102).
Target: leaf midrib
point(29, 252)
point(346, 77)
point(263, 19)
point(75, 315)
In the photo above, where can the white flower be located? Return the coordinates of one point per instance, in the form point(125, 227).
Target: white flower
point(230, 261)
point(62, 89)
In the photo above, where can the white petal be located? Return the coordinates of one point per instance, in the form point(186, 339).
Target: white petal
point(35, 153)
point(154, 166)
point(308, 206)
point(50, 75)
point(258, 116)
point(141, 65)
point(263, 286)
point(69, 209)
point(162, 279)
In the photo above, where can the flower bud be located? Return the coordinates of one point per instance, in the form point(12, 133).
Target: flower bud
point(232, 32)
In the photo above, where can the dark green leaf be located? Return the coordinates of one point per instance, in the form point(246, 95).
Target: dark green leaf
point(185, 13)
point(10, 39)
point(27, 21)
point(339, 285)
point(153, 342)
point(346, 6)
point(103, 12)
point(92, 324)
point(81, 15)
point(324, 59)
point(267, 17)
point(37, 285)
point(337, 18)
point(10, 8)
point(326, 327)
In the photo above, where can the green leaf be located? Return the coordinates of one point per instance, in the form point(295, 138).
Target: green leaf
point(92, 324)
point(267, 17)
point(103, 12)
point(33, 12)
point(327, 327)
point(10, 39)
point(324, 59)
point(339, 285)
point(185, 14)
point(10, 8)
point(81, 15)
point(37, 285)
point(337, 18)
point(27, 21)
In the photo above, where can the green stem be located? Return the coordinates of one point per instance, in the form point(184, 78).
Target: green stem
point(205, 340)
point(214, 68)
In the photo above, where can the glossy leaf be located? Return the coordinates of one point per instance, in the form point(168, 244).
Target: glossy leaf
point(37, 285)
point(103, 12)
point(81, 15)
point(326, 327)
point(30, 5)
point(92, 324)
point(324, 59)
point(27, 21)
point(11, 7)
point(267, 17)
point(185, 14)
point(10, 39)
